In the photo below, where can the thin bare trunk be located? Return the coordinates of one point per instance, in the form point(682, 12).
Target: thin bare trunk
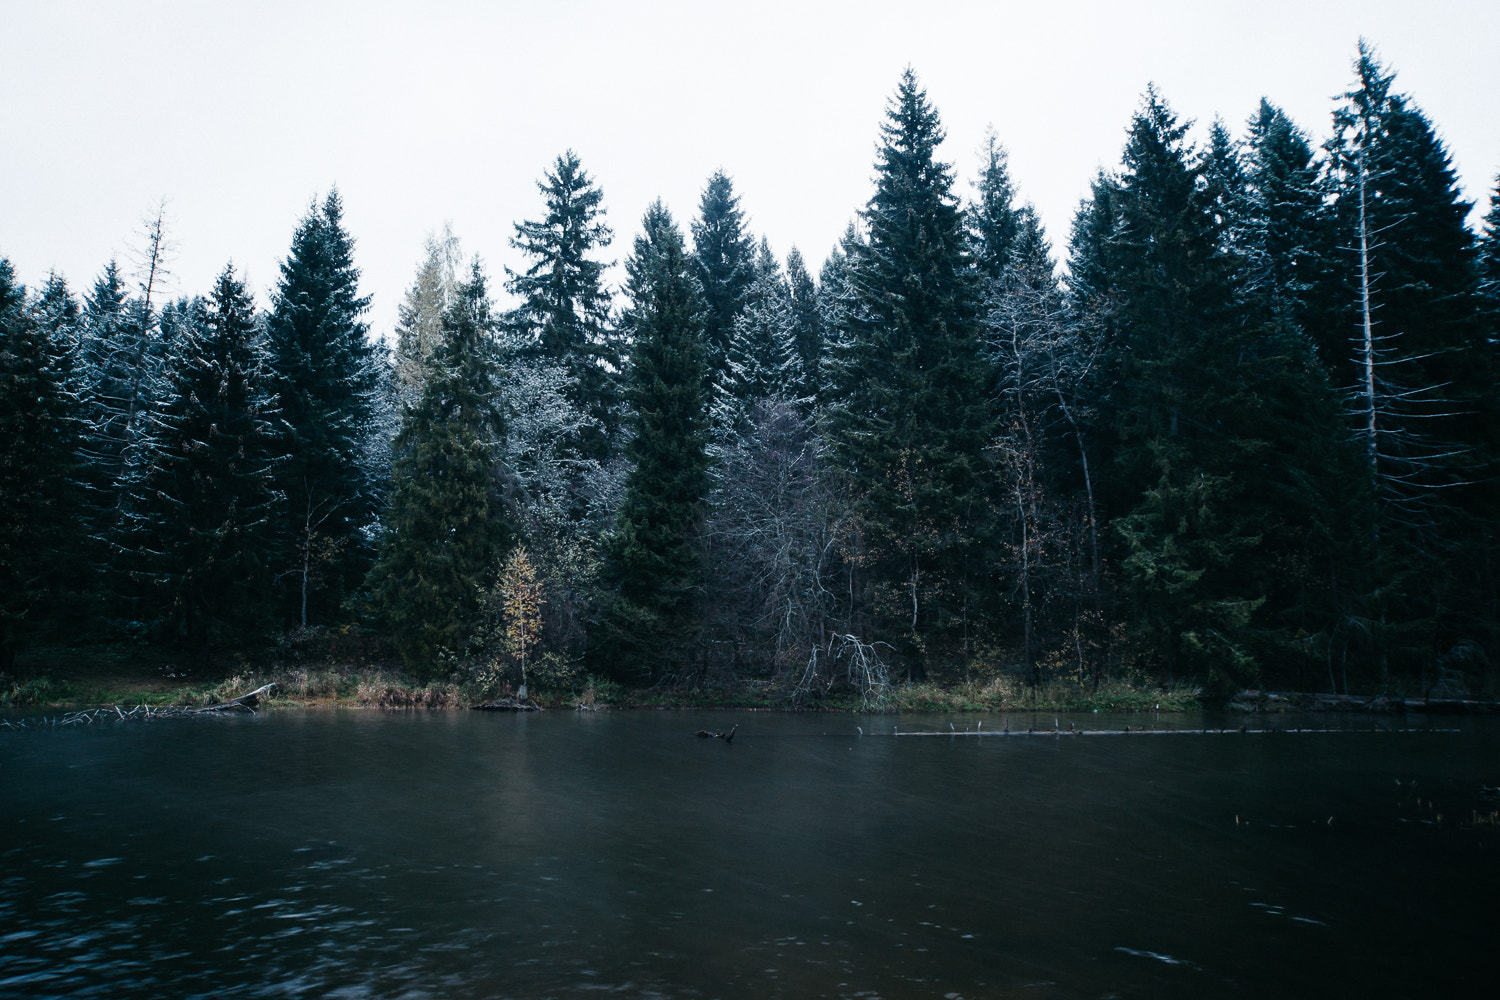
point(1368, 328)
point(916, 572)
point(1030, 661)
point(152, 261)
point(1095, 591)
point(306, 558)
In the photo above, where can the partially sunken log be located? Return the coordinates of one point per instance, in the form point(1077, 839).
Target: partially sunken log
point(704, 734)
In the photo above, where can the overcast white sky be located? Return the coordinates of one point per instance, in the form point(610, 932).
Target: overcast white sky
point(238, 114)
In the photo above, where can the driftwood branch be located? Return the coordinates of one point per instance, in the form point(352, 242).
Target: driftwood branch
point(244, 704)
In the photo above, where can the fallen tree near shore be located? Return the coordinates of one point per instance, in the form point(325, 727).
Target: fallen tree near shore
point(245, 704)
point(1295, 701)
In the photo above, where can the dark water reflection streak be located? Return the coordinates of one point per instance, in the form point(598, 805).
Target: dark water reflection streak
point(354, 854)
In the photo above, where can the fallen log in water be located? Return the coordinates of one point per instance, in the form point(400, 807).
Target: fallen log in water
point(1142, 731)
point(1452, 706)
point(1302, 701)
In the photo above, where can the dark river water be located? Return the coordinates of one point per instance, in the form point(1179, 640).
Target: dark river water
point(435, 854)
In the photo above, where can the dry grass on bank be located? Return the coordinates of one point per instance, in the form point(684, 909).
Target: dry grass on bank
point(335, 686)
point(1007, 694)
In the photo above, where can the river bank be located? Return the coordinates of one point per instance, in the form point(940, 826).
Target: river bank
point(88, 678)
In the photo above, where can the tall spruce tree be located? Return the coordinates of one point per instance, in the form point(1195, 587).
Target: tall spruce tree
point(1284, 234)
point(807, 326)
point(992, 217)
point(39, 436)
point(836, 302)
point(446, 529)
point(763, 361)
point(565, 310)
point(1425, 376)
point(1424, 382)
point(1090, 291)
point(58, 311)
point(1217, 423)
point(1489, 262)
point(1181, 513)
point(100, 327)
point(326, 385)
point(724, 264)
point(654, 556)
point(911, 417)
point(204, 519)
point(1224, 186)
point(1489, 294)
point(1284, 246)
point(124, 353)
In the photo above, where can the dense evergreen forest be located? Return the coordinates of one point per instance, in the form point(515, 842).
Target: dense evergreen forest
point(1242, 431)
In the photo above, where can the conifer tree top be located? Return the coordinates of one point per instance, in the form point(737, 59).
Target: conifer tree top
point(1491, 236)
point(906, 158)
point(12, 294)
point(723, 262)
point(913, 213)
point(321, 265)
point(572, 227)
point(659, 235)
point(720, 225)
point(992, 217)
point(1155, 151)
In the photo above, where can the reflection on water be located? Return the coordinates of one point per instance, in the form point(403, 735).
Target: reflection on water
point(348, 854)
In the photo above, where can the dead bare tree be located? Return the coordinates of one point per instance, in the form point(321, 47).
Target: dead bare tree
point(850, 659)
point(1044, 361)
point(771, 548)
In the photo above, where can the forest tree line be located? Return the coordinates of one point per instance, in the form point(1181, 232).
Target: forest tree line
point(1247, 435)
